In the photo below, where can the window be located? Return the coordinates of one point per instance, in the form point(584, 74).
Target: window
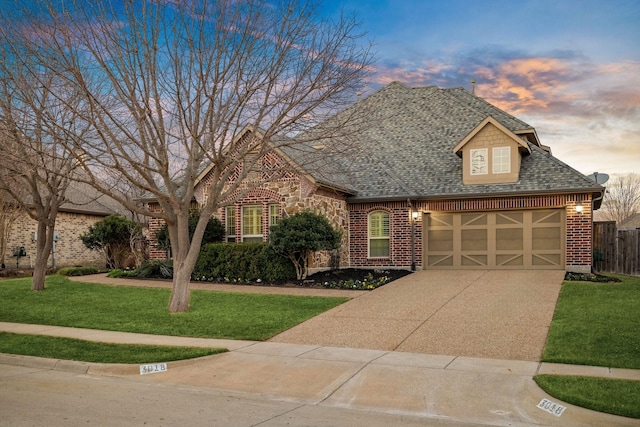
point(274, 215)
point(379, 234)
point(501, 160)
point(479, 161)
point(252, 223)
point(230, 223)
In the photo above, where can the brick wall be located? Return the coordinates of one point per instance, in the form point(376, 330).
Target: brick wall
point(577, 237)
point(70, 251)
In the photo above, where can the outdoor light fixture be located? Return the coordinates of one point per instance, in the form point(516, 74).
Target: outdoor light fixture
point(414, 215)
point(579, 208)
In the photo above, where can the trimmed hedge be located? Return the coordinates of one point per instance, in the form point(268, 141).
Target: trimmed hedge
point(78, 271)
point(242, 263)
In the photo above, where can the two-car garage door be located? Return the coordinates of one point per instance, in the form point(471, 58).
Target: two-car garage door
point(532, 239)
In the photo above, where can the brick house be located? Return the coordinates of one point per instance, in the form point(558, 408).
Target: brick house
point(444, 180)
point(84, 208)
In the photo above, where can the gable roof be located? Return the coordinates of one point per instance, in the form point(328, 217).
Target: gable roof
point(408, 149)
point(522, 145)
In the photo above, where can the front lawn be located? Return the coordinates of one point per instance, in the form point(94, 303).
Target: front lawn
point(96, 352)
point(144, 310)
point(596, 324)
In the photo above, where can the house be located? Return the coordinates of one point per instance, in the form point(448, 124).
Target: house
point(444, 180)
point(84, 207)
point(631, 223)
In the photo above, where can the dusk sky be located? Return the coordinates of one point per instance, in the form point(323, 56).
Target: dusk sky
point(569, 68)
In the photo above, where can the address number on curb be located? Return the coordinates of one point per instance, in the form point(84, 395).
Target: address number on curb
point(153, 369)
point(551, 407)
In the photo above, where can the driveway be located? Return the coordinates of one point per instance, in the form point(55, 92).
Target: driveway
point(475, 313)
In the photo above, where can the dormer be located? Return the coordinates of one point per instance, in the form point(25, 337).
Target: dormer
point(491, 154)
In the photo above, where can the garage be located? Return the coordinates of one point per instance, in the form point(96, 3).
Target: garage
point(527, 239)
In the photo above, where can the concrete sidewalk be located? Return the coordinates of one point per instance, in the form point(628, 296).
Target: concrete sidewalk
point(464, 389)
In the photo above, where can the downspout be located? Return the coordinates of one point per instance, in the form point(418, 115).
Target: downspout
point(593, 202)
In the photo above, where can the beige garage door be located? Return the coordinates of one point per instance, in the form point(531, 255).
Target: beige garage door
point(531, 239)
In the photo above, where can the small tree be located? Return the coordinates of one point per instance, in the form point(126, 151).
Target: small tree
point(300, 235)
point(213, 233)
point(622, 198)
point(112, 235)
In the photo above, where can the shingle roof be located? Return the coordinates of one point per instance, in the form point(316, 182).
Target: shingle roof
point(407, 150)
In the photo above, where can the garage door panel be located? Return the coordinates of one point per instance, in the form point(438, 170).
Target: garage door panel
point(509, 239)
point(505, 260)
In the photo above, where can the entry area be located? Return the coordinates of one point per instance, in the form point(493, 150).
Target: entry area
point(528, 239)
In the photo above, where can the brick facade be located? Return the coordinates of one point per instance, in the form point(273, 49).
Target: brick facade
point(293, 193)
point(578, 236)
point(70, 251)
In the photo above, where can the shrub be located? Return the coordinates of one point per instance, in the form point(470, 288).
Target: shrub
point(160, 269)
point(242, 263)
point(300, 235)
point(114, 235)
point(78, 271)
point(214, 232)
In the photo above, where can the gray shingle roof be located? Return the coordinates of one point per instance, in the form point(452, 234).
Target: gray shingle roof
point(407, 150)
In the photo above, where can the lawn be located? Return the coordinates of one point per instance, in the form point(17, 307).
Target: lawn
point(596, 324)
point(144, 310)
point(96, 352)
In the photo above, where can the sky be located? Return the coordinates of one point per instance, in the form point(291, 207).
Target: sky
point(568, 68)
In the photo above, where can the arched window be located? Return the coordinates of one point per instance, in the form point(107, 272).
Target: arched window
point(379, 234)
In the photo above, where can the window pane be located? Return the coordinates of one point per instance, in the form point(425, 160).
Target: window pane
point(379, 224)
point(251, 222)
point(501, 160)
point(274, 214)
point(479, 161)
point(379, 234)
point(379, 248)
point(230, 220)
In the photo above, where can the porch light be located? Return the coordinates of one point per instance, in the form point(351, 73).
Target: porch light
point(579, 208)
point(414, 215)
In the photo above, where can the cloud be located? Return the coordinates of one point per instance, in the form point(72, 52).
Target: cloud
point(589, 113)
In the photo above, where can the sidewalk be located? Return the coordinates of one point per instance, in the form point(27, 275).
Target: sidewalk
point(485, 391)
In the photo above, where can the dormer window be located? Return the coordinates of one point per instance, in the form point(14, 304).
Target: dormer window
point(479, 161)
point(501, 160)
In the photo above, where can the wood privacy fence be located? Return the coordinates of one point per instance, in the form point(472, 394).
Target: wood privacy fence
point(616, 251)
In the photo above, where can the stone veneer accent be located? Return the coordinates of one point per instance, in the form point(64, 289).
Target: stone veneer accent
point(578, 226)
point(294, 193)
point(70, 251)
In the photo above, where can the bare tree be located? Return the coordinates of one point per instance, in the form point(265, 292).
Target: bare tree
point(168, 86)
point(622, 197)
point(35, 166)
point(9, 212)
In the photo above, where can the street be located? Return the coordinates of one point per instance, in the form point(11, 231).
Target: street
point(36, 397)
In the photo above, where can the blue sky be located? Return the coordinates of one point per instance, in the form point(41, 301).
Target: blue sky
point(569, 68)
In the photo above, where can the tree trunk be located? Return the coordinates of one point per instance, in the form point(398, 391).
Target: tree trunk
point(180, 294)
point(43, 249)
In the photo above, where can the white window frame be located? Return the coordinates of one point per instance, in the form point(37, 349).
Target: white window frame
point(501, 160)
point(230, 224)
point(381, 236)
point(479, 161)
point(251, 237)
point(274, 215)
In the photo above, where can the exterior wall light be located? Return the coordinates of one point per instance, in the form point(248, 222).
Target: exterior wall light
point(579, 208)
point(414, 215)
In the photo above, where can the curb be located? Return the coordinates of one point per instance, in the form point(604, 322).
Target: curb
point(85, 368)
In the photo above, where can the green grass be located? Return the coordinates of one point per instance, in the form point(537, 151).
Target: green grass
point(619, 397)
point(597, 324)
point(144, 310)
point(95, 352)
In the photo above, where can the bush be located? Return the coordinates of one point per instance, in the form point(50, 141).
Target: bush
point(122, 273)
point(242, 263)
point(159, 269)
point(214, 232)
point(78, 271)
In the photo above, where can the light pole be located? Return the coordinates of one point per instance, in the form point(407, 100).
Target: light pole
point(414, 217)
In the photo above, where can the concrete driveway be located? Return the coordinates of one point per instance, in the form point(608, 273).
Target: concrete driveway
point(475, 313)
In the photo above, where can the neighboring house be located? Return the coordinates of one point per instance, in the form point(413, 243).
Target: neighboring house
point(630, 223)
point(474, 184)
point(84, 208)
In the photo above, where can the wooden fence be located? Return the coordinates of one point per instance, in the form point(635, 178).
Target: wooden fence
point(616, 251)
